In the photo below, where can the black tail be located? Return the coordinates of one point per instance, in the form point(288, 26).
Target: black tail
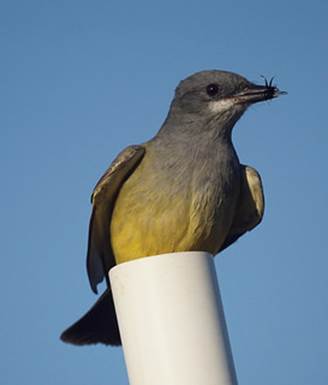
point(98, 325)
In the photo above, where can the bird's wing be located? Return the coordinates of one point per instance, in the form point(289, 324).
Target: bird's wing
point(100, 256)
point(250, 207)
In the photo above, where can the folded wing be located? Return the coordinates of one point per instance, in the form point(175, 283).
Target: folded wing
point(100, 256)
point(250, 207)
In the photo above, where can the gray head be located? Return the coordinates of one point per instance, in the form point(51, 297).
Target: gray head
point(214, 100)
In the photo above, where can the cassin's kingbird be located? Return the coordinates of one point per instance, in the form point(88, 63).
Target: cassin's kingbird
point(183, 190)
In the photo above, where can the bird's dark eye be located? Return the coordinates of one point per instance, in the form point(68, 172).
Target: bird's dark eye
point(212, 89)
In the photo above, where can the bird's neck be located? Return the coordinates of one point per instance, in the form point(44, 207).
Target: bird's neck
point(202, 144)
point(192, 128)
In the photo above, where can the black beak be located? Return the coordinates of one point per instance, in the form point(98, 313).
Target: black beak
point(254, 93)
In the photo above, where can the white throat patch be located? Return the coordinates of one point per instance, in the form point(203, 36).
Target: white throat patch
point(222, 105)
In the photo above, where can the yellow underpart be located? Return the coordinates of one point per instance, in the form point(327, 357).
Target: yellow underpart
point(149, 221)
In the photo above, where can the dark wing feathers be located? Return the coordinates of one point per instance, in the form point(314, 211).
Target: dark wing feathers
point(100, 256)
point(250, 207)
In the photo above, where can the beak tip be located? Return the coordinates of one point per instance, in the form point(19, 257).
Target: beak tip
point(279, 93)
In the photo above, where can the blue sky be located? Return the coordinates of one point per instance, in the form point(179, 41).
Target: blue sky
point(79, 81)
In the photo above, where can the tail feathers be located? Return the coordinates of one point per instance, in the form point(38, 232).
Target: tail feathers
point(98, 325)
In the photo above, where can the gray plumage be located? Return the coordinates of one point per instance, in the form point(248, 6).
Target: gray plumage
point(183, 190)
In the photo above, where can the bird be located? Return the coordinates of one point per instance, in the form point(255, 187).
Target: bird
point(183, 190)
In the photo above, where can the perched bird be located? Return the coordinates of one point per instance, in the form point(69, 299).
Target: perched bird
point(183, 190)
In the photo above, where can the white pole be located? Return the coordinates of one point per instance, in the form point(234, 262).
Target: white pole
point(171, 321)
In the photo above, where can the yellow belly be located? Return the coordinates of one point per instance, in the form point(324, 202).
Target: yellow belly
point(149, 219)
